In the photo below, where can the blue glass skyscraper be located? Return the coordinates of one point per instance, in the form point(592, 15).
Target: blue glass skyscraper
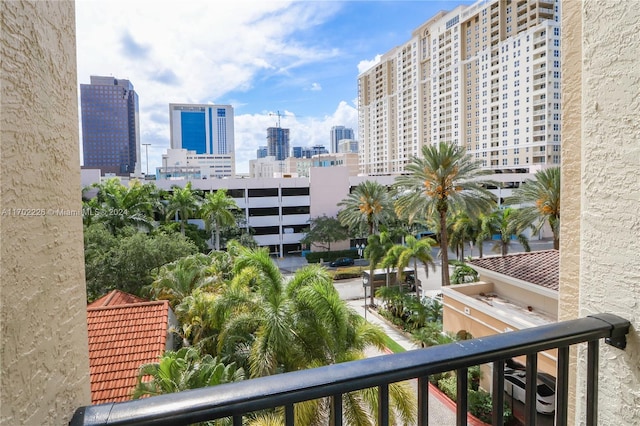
point(203, 128)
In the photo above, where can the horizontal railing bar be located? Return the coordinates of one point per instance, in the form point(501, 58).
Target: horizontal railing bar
point(247, 396)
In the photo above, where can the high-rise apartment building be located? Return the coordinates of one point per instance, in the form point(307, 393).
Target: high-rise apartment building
point(110, 127)
point(278, 142)
point(485, 77)
point(339, 133)
point(205, 129)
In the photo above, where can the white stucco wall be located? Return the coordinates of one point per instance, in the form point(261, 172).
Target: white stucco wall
point(44, 362)
point(600, 255)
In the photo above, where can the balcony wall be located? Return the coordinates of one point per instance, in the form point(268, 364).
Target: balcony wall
point(45, 362)
point(599, 252)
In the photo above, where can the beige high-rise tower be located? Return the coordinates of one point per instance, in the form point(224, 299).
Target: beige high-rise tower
point(485, 77)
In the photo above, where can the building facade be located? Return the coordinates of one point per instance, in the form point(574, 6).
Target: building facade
point(110, 126)
point(205, 129)
point(339, 133)
point(347, 145)
point(485, 77)
point(308, 152)
point(209, 166)
point(278, 143)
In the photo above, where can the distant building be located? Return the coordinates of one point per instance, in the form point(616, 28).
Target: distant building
point(296, 152)
point(339, 133)
point(262, 152)
point(265, 167)
point(110, 128)
point(204, 129)
point(278, 142)
point(300, 152)
point(347, 145)
point(183, 164)
point(345, 159)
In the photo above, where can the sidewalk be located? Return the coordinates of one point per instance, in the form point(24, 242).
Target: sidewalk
point(440, 413)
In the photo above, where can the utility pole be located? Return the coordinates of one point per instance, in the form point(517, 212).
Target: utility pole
point(146, 148)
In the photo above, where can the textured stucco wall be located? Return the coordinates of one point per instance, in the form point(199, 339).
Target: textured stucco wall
point(571, 184)
point(44, 359)
point(600, 122)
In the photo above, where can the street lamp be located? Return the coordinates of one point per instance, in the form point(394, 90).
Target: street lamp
point(360, 248)
point(146, 148)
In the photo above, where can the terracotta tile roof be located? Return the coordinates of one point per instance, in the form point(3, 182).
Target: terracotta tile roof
point(115, 298)
point(121, 338)
point(538, 267)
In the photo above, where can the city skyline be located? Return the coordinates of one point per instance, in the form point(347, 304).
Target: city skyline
point(296, 62)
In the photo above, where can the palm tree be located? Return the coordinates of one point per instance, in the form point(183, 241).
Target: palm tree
point(413, 250)
point(444, 179)
point(377, 247)
point(217, 211)
point(463, 228)
point(506, 225)
point(117, 206)
point(291, 325)
point(178, 279)
point(183, 370)
point(183, 202)
point(369, 203)
point(539, 202)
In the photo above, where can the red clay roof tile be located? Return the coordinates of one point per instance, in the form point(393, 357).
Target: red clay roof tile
point(125, 332)
point(538, 267)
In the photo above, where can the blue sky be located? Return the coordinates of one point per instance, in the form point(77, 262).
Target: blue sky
point(300, 59)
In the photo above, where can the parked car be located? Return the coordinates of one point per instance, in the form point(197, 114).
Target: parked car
point(342, 261)
point(515, 384)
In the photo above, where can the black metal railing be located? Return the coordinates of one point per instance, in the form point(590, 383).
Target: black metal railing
point(238, 399)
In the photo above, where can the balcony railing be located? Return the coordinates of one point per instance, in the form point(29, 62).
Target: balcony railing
point(237, 399)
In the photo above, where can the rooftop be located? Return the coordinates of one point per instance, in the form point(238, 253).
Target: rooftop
point(538, 267)
point(124, 332)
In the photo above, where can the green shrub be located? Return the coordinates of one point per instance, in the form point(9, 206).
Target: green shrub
point(479, 401)
point(448, 386)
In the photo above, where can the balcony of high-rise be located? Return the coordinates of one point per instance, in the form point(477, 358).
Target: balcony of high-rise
point(45, 368)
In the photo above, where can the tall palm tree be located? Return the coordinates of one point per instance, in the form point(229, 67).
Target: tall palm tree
point(443, 180)
point(413, 250)
point(297, 324)
point(217, 211)
point(369, 203)
point(539, 202)
point(377, 247)
point(184, 202)
point(504, 223)
point(463, 229)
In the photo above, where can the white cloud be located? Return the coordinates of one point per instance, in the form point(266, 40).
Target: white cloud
point(366, 65)
point(251, 130)
point(197, 52)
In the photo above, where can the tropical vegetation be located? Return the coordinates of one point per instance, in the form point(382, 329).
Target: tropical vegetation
point(538, 202)
point(441, 182)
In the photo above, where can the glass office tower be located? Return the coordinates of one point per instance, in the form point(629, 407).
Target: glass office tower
point(110, 128)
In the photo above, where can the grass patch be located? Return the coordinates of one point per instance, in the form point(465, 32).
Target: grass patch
point(392, 345)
